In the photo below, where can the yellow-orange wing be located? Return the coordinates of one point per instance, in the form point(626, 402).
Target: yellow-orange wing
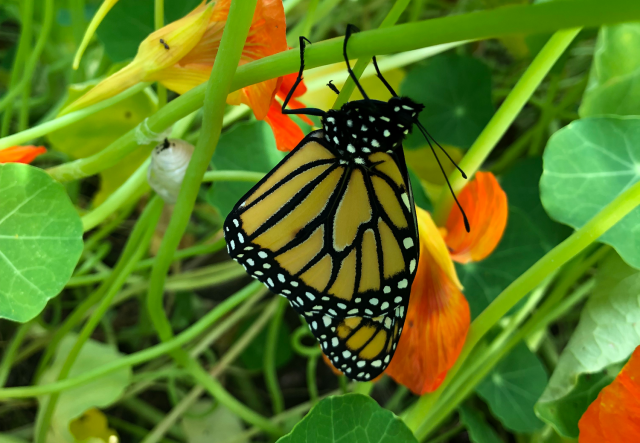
point(360, 347)
point(335, 237)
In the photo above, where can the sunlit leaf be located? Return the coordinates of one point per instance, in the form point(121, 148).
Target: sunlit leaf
point(130, 21)
point(352, 418)
point(206, 423)
point(456, 93)
point(614, 83)
point(99, 393)
point(40, 240)
point(530, 234)
point(246, 147)
point(565, 412)
point(479, 430)
point(512, 388)
point(97, 131)
point(608, 332)
point(586, 165)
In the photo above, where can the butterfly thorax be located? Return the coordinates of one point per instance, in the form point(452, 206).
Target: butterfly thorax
point(364, 127)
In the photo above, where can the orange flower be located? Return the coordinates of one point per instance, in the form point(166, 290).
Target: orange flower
point(438, 317)
point(21, 154)
point(486, 206)
point(614, 417)
point(288, 134)
point(181, 55)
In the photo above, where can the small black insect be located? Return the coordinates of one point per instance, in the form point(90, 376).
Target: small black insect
point(163, 43)
point(333, 87)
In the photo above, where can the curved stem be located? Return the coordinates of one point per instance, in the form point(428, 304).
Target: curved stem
point(16, 81)
point(270, 373)
point(30, 67)
point(135, 186)
point(203, 325)
point(139, 242)
point(524, 19)
point(503, 118)
point(12, 350)
point(558, 256)
point(68, 119)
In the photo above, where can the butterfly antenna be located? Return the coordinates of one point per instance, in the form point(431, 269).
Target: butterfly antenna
point(464, 216)
point(430, 137)
point(350, 30)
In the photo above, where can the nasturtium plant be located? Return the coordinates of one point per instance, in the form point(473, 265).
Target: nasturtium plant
point(352, 418)
point(606, 335)
point(122, 314)
point(247, 147)
point(40, 240)
point(614, 83)
point(100, 393)
point(456, 93)
point(479, 430)
point(586, 165)
point(530, 233)
point(513, 387)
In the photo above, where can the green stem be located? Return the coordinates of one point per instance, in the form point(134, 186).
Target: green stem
point(61, 122)
point(130, 191)
point(158, 21)
point(30, 67)
point(347, 89)
point(217, 88)
point(499, 22)
point(233, 353)
point(270, 372)
point(476, 373)
point(232, 176)
point(12, 350)
point(203, 325)
point(312, 364)
point(139, 240)
point(558, 256)
point(503, 118)
point(26, 25)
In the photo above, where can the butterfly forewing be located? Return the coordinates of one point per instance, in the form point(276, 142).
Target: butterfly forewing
point(337, 240)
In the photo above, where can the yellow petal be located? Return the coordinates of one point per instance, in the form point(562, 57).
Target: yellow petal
point(181, 79)
point(91, 29)
point(432, 241)
point(180, 37)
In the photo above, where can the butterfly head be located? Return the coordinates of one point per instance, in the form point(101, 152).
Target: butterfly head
point(364, 127)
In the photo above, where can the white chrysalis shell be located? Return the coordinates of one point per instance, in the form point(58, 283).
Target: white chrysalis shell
point(169, 161)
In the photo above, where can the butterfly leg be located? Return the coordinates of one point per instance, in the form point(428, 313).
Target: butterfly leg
point(305, 111)
point(386, 83)
point(350, 30)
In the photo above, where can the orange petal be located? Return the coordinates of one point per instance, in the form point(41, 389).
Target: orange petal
point(485, 204)
point(614, 416)
point(438, 317)
point(21, 154)
point(288, 134)
point(287, 83)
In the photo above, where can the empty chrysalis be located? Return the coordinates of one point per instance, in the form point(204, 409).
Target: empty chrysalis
point(169, 161)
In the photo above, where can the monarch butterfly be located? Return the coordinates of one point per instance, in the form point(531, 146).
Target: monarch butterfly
point(333, 227)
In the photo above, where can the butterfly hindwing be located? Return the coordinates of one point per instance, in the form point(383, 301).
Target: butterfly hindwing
point(334, 239)
point(360, 347)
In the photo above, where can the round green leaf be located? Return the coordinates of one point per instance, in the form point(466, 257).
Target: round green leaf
point(40, 240)
point(513, 387)
point(586, 165)
point(529, 234)
point(608, 332)
point(456, 93)
point(615, 75)
point(479, 430)
point(350, 418)
point(246, 147)
point(206, 423)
